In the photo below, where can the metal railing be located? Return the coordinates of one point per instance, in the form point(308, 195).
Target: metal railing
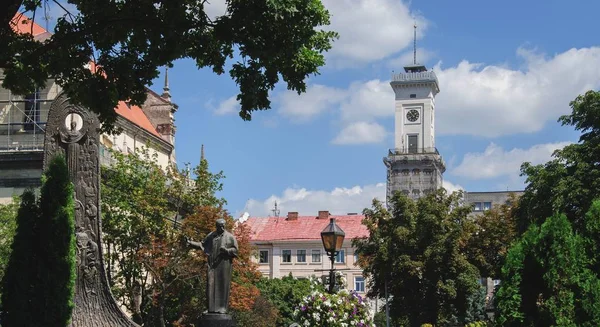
point(8, 143)
point(411, 77)
point(401, 151)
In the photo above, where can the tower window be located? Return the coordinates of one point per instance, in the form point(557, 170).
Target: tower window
point(413, 96)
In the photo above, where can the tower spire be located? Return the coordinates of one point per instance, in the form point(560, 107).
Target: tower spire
point(166, 94)
point(415, 44)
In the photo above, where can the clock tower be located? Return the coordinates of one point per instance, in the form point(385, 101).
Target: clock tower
point(414, 166)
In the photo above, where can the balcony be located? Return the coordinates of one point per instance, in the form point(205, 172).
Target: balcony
point(402, 78)
point(400, 151)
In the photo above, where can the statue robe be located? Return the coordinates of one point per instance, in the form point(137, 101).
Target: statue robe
point(219, 269)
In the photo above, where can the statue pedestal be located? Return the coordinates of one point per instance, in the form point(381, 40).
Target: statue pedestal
point(216, 320)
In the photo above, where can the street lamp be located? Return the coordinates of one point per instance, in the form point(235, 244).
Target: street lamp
point(333, 238)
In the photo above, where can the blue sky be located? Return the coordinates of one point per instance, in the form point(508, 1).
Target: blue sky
point(507, 70)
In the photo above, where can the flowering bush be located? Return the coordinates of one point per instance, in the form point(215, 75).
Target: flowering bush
point(343, 309)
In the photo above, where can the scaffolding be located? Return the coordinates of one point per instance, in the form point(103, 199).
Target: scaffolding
point(415, 173)
point(23, 120)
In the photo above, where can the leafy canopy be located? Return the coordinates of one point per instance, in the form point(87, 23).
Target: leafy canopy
point(571, 180)
point(129, 40)
point(416, 250)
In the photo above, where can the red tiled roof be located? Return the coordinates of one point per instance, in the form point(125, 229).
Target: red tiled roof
point(303, 228)
point(22, 24)
point(137, 116)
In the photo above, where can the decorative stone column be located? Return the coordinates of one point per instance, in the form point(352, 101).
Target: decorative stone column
point(74, 132)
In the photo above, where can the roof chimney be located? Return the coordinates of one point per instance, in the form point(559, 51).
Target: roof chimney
point(293, 215)
point(323, 214)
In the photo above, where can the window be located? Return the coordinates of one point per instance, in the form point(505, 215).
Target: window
point(316, 255)
point(413, 96)
point(300, 255)
point(263, 256)
point(476, 206)
point(487, 206)
point(359, 284)
point(340, 257)
point(413, 143)
point(286, 256)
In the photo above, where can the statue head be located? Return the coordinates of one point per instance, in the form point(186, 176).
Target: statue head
point(220, 224)
point(73, 125)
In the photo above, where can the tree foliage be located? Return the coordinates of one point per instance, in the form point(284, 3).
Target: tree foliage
point(551, 274)
point(129, 40)
point(148, 214)
point(8, 226)
point(285, 293)
point(17, 284)
point(416, 249)
point(548, 280)
point(571, 180)
point(40, 280)
point(495, 230)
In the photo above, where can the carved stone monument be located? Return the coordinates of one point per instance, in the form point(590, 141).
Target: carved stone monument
point(74, 132)
point(221, 248)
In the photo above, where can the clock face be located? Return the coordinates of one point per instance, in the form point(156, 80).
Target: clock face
point(412, 115)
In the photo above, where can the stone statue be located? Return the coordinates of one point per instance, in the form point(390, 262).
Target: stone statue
point(221, 247)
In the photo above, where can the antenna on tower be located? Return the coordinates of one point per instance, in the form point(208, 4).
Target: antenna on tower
point(415, 44)
point(275, 210)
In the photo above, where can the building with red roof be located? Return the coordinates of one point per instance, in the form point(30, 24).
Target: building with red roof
point(292, 245)
point(23, 120)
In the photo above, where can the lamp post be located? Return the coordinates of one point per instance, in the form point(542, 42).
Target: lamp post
point(333, 238)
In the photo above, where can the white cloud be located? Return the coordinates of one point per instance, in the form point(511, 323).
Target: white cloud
point(494, 100)
point(370, 30)
point(451, 187)
point(340, 200)
point(303, 107)
point(361, 133)
point(214, 8)
point(495, 161)
point(479, 100)
point(228, 106)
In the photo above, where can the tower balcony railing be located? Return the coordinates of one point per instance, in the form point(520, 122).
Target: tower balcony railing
point(403, 151)
point(412, 77)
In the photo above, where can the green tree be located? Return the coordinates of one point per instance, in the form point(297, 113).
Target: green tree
point(8, 226)
point(18, 282)
point(134, 206)
point(495, 230)
point(146, 212)
point(571, 180)
point(129, 40)
point(285, 293)
point(547, 280)
point(416, 249)
point(40, 278)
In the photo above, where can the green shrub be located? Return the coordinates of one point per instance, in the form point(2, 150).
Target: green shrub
point(39, 283)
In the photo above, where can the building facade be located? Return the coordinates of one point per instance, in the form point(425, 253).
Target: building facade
point(292, 245)
point(483, 201)
point(414, 165)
